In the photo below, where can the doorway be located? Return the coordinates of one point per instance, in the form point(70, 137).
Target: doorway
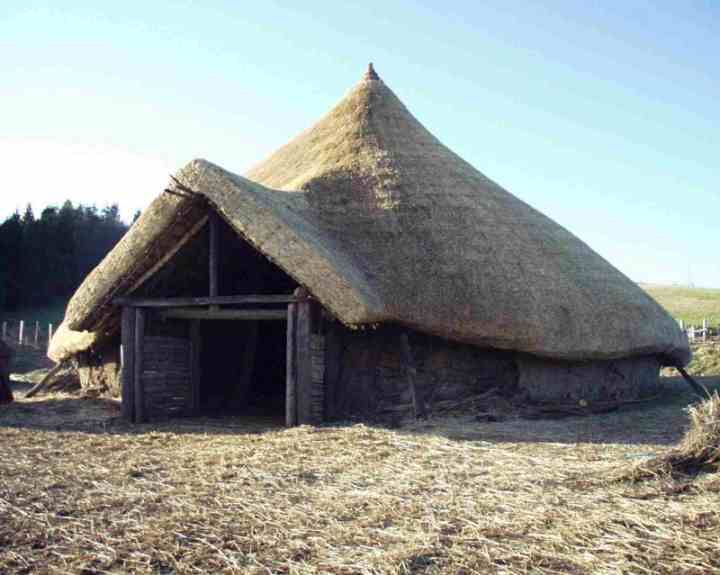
point(242, 367)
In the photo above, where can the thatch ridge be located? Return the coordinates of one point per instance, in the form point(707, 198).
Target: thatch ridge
point(382, 223)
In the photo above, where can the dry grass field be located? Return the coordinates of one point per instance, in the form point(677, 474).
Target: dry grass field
point(688, 304)
point(82, 492)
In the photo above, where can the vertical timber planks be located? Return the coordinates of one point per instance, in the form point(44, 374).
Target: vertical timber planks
point(291, 418)
point(138, 367)
point(195, 375)
point(128, 365)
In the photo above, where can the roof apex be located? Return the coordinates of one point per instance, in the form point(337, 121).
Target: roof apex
point(371, 74)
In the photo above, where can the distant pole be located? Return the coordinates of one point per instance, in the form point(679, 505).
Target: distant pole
point(4, 336)
point(37, 333)
point(22, 329)
point(49, 334)
point(691, 333)
point(705, 329)
point(682, 324)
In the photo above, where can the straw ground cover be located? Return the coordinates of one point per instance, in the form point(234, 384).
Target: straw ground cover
point(81, 492)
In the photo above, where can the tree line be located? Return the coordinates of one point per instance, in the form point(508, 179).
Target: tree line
point(45, 258)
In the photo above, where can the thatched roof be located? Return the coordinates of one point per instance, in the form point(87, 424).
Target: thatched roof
point(382, 223)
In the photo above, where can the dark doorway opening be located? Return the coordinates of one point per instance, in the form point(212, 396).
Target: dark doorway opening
point(243, 367)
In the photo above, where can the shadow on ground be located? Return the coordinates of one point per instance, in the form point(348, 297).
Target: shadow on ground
point(659, 421)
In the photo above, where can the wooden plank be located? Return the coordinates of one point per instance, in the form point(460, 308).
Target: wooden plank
point(195, 373)
point(291, 372)
point(138, 365)
point(205, 301)
point(303, 363)
point(229, 314)
point(127, 335)
point(213, 257)
point(411, 375)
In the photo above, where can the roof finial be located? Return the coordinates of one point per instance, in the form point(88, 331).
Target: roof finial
point(371, 74)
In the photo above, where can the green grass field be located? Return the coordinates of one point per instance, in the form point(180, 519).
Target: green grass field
point(688, 304)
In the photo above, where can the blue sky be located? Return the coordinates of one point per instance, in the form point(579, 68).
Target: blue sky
point(604, 115)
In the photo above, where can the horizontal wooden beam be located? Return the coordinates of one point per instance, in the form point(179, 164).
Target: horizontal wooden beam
point(234, 314)
point(206, 300)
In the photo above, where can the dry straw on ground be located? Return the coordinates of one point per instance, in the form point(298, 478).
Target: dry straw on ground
point(83, 493)
point(699, 449)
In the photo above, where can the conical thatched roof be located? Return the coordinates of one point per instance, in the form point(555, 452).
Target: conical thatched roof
point(382, 223)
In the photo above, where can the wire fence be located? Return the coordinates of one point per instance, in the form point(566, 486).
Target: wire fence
point(27, 333)
point(38, 335)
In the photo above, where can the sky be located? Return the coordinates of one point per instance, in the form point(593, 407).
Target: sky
point(603, 115)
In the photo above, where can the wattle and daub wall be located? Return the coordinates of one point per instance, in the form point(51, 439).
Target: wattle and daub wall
point(363, 375)
point(370, 379)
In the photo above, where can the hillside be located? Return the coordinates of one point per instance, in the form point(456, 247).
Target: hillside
point(688, 304)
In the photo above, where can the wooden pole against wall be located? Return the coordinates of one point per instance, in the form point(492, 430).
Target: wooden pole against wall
point(138, 367)
point(411, 375)
point(291, 381)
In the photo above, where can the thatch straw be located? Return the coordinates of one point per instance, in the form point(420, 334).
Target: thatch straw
point(699, 449)
point(382, 223)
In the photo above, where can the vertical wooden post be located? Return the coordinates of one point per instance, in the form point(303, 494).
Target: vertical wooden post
point(411, 375)
point(4, 332)
point(50, 334)
point(196, 374)
point(214, 225)
point(303, 363)
point(20, 334)
point(705, 329)
point(37, 333)
point(127, 335)
point(140, 414)
point(290, 372)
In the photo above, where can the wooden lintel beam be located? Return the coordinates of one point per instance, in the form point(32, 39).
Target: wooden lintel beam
point(230, 314)
point(205, 301)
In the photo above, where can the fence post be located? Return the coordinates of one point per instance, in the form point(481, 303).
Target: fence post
point(49, 334)
point(682, 324)
point(37, 333)
point(20, 334)
point(691, 333)
point(4, 332)
point(705, 329)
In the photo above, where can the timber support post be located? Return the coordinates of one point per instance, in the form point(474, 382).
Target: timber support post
point(303, 358)
point(213, 262)
point(139, 340)
point(128, 363)
point(291, 417)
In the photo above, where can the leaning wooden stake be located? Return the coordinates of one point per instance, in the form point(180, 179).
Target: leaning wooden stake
point(45, 381)
point(411, 375)
point(699, 389)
